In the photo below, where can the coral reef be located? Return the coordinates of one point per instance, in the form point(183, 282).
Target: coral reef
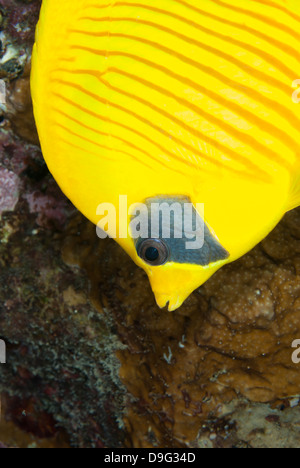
point(91, 360)
point(50, 362)
point(17, 27)
point(55, 377)
point(231, 340)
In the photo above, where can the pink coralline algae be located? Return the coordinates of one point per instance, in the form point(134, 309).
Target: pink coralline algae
point(24, 178)
point(9, 190)
point(49, 208)
point(21, 17)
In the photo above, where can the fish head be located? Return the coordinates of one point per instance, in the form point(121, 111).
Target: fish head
point(169, 239)
point(180, 244)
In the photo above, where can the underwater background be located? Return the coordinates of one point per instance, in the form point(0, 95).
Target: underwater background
point(91, 361)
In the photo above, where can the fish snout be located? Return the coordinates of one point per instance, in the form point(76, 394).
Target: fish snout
point(172, 302)
point(173, 283)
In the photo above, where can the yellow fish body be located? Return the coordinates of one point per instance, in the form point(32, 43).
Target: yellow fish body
point(173, 98)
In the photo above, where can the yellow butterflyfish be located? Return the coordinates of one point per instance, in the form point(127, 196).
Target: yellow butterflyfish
point(188, 106)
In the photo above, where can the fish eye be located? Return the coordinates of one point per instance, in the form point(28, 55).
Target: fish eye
point(153, 251)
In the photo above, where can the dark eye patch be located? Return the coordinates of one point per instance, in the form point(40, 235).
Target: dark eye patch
point(173, 248)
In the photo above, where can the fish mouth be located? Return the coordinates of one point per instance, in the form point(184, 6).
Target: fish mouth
point(172, 303)
point(172, 284)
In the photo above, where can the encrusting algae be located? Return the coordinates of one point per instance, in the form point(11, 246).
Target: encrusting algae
point(232, 339)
